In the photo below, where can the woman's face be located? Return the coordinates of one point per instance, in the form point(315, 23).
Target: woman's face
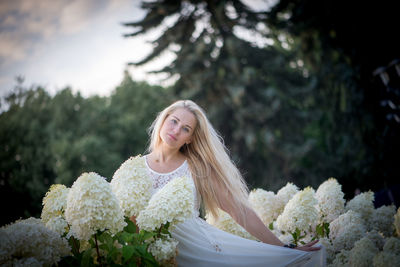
point(178, 128)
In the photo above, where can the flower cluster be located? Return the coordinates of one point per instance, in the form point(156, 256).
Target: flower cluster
point(366, 253)
point(346, 230)
point(30, 242)
point(54, 206)
point(284, 195)
point(362, 204)
point(173, 203)
point(382, 220)
point(397, 222)
point(330, 200)
point(299, 213)
point(164, 249)
point(264, 204)
point(132, 186)
point(226, 223)
point(390, 254)
point(92, 206)
point(363, 253)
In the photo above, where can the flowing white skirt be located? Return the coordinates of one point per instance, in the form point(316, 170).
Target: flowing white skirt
point(201, 244)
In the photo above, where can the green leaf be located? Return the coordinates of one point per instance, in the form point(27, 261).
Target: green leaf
point(131, 227)
point(146, 235)
point(327, 230)
point(74, 244)
point(114, 253)
point(127, 252)
point(87, 258)
point(126, 237)
point(271, 226)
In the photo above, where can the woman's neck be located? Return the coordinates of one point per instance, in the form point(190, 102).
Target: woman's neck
point(164, 155)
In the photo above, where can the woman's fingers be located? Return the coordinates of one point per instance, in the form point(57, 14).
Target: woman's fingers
point(308, 248)
point(309, 244)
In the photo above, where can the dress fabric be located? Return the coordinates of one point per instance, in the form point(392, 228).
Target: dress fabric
point(201, 244)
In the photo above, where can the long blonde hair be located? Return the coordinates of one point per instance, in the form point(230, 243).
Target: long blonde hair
point(208, 159)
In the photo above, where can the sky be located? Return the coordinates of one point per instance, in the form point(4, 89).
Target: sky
point(75, 43)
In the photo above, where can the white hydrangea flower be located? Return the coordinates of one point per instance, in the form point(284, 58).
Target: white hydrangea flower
point(275, 230)
point(385, 259)
point(163, 249)
point(265, 204)
point(31, 239)
point(54, 205)
point(392, 245)
point(92, 206)
point(26, 262)
point(341, 259)
point(345, 230)
point(226, 223)
point(397, 222)
point(299, 212)
point(382, 220)
point(132, 186)
point(6, 246)
point(57, 224)
point(285, 238)
point(284, 195)
point(363, 204)
point(173, 203)
point(363, 253)
point(330, 200)
point(377, 238)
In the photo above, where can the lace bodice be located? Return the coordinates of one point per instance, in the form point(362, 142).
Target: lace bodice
point(161, 179)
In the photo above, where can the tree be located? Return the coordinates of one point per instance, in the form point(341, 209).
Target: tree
point(344, 43)
point(47, 140)
point(258, 97)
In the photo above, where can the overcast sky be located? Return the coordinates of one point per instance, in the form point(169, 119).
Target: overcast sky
point(76, 43)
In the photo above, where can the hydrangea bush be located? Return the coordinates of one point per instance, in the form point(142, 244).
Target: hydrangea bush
point(354, 233)
point(29, 242)
point(90, 223)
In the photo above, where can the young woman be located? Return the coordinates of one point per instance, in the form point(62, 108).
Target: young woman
point(183, 142)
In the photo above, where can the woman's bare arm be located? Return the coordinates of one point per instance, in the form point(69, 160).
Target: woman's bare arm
point(253, 224)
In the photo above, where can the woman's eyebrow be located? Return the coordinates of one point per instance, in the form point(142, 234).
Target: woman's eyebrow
point(187, 125)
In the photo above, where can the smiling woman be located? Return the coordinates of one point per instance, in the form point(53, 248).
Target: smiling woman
point(184, 144)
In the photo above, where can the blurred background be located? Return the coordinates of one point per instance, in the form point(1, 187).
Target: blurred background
point(301, 91)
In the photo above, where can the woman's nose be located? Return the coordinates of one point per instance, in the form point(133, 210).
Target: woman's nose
point(176, 129)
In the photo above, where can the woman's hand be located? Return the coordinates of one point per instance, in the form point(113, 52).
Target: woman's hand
point(309, 246)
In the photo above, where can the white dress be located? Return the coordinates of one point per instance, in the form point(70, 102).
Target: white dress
point(201, 244)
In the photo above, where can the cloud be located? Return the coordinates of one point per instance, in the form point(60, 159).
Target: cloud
point(25, 24)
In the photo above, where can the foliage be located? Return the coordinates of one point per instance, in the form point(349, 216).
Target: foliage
point(247, 90)
point(294, 101)
point(52, 139)
point(126, 248)
point(343, 48)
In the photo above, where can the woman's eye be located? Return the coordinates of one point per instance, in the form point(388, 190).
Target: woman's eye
point(174, 121)
point(186, 129)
